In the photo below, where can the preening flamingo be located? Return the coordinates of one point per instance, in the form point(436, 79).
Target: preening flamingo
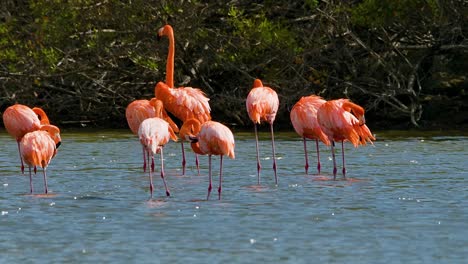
point(343, 120)
point(304, 119)
point(38, 148)
point(213, 138)
point(154, 133)
point(183, 102)
point(20, 119)
point(139, 110)
point(262, 105)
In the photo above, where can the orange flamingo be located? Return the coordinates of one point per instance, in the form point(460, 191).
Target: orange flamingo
point(343, 120)
point(139, 110)
point(304, 119)
point(154, 133)
point(38, 148)
point(262, 105)
point(20, 119)
point(183, 102)
point(211, 138)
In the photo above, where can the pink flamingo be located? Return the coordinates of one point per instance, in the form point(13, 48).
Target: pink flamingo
point(304, 119)
point(262, 105)
point(20, 120)
point(183, 102)
point(38, 148)
point(139, 110)
point(343, 120)
point(211, 138)
point(154, 133)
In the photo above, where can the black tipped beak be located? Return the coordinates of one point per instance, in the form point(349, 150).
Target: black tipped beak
point(58, 144)
point(193, 139)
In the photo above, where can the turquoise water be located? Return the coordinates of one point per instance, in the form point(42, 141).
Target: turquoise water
point(405, 201)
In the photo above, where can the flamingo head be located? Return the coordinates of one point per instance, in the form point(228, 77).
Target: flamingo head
point(54, 133)
point(257, 83)
point(164, 31)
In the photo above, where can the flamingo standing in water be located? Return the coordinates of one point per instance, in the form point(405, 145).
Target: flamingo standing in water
point(20, 120)
point(183, 102)
point(154, 133)
point(211, 138)
point(139, 110)
point(304, 119)
point(38, 148)
point(262, 105)
point(343, 120)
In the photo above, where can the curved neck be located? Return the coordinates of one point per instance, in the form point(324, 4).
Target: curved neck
point(158, 106)
point(170, 56)
point(41, 115)
point(257, 83)
point(357, 110)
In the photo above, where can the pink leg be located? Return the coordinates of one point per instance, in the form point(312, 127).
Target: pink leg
point(305, 155)
point(150, 178)
point(21, 158)
point(152, 163)
point(274, 153)
point(144, 158)
point(197, 163)
point(318, 156)
point(220, 176)
point(259, 166)
point(334, 160)
point(342, 153)
point(162, 174)
point(45, 180)
point(31, 189)
point(209, 177)
point(183, 158)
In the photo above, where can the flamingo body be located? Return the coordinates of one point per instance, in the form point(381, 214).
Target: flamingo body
point(212, 138)
point(343, 120)
point(154, 133)
point(262, 105)
point(304, 119)
point(38, 148)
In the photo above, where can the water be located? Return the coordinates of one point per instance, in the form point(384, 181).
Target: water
point(405, 201)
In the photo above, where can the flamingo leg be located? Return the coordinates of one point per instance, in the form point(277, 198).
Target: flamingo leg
point(162, 174)
point(31, 189)
point(144, 158)
point(220, 176)
point(342, 154)
point(334, 160)
point(21, 158)
point(150, 178)
point(259, 166)
point(318, 156)
point(197, 163)
point(209, 177)
point(183, 158)
point(273, 151)
point(45, 180)
point(305, 155)
point(152, 163)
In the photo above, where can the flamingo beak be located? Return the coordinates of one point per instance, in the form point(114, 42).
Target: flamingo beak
point(193, 139)
point(362, 120)
point(57, 145)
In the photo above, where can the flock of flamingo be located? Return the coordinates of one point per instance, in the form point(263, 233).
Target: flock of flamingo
point(312, 118)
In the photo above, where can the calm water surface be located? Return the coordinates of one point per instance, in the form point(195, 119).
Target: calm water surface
point(405, 201)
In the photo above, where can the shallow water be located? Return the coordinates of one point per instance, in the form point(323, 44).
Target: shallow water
point(405, 201)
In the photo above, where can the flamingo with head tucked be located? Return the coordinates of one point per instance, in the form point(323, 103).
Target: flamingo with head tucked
point(262, 105)
point(183, 102)
point(304, 119)
point(20, 120)
point(343, 120)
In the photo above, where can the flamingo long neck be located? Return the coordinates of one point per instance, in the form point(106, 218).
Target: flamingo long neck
point(357, 110)
point(41, 115)
point(196, 148)
point(170, 57)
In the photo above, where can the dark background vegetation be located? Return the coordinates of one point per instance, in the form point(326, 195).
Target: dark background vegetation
point(84, 61)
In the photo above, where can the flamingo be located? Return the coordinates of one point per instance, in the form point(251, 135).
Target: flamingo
point(183, 102)
point(304, 120)
point(154, 133)
point(211, 138)
point(20, 120)
point(262, 105)
point(38, 148)
point(343, 120)
point(139, 110)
